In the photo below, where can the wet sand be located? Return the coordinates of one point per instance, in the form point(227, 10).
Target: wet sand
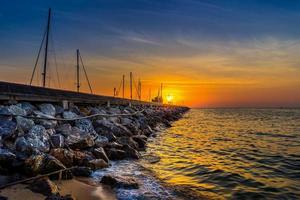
point(81, 189)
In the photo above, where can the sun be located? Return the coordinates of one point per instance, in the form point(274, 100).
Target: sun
point(169, 98)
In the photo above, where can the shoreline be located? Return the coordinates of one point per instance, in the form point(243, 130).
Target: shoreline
point(32, 145)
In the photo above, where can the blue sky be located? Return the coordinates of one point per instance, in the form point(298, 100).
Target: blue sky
point(224, 38)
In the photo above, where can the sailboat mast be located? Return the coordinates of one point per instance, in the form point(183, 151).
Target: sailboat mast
point(44, 74)
point(77, 70)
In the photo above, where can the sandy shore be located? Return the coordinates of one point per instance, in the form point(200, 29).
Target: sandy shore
point(80, 189)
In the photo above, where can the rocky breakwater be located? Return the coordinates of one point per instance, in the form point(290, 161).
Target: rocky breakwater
point(32, 144)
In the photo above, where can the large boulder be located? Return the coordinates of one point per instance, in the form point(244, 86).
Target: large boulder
point(81, 158)
point(82, 171)
point(99, 153)
point(33, 164)
point(29, 108)
point(97, 164)
point(120, 182)
point(47, 109)
point(131, 152)
point(141, 140)
point(115, 154)
point(38, 139)
point(128, 141)
point(43, 186)
point(47, 123)
point(83, 142)
point(63, 155)
point(7, 128)
point(85, 125)
point(69, 115)
point(58, 109)
point(64, 129)
point(16, 110)
point(101, 141)
point(24, 123)
point(51, 164)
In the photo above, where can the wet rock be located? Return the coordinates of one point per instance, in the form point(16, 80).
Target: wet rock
point(82, 142)
point(57, 141)
point(120, 182)
point(115, 154)
point(85, 125)
point(97, 164)
point(82, 171)
point(24, 123)
point(141, 141)
point(69, 115)
point(29, 108)
point(131, 152)
point(6, 158)
point(128, 141)
point(47, 109)
point(64, 156)
point(101, 141)
point(43, 186)
point(16, 110)
point(7, 128)
point(99, 153)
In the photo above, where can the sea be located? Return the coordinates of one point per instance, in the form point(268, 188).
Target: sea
point(219, 154)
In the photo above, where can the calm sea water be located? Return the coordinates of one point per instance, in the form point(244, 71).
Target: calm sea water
point(220, 154)
point(231, 154)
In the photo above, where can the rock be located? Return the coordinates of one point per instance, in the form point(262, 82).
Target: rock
point(24, 123)
point(97, 164)
point(46, 123)
point(33, 164)
point(115, 154)
point(75, 109)
point(64, 129)
point(85, 125)
point(51, 164)
point(63, 155)
point(16, 110)
point(141, 141)
point(69, 115)
point(114, 110)
point(38, 139)
point(83, 142)
point(7, 128)
point(99, 153)
point(58, 109)
point(47, 109)
point(57, 141)
point(128, 141)
point(126, 121)
point(29, 108)
point(131, 152)
point(114, 145)
point(22, 145)
point(101, 141)
point(108, 134)
point(81, 158)
point(120, 182)
point(43, 186)
point(82, 171)
point(6, 158)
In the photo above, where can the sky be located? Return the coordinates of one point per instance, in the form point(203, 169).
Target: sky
point(207, 53)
